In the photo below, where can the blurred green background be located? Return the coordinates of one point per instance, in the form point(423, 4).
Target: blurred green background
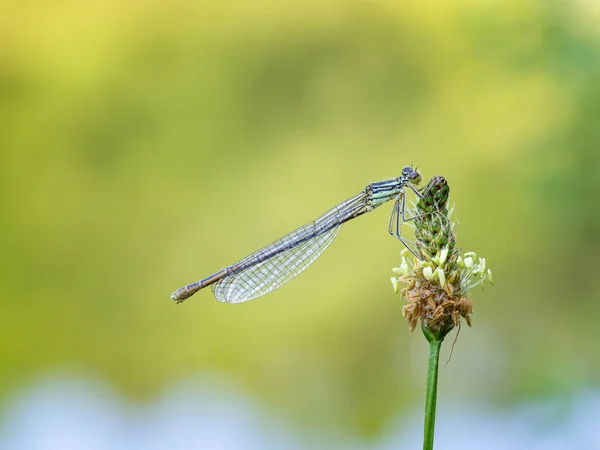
point(145, 145)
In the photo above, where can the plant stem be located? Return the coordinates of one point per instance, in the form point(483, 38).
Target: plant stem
point(435, 343)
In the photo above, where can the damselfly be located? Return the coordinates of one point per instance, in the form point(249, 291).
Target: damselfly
point(280, 261)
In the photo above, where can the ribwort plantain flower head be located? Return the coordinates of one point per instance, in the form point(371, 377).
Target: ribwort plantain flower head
point(437, 282)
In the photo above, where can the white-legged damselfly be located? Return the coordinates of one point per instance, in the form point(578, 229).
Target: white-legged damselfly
point(280, 261)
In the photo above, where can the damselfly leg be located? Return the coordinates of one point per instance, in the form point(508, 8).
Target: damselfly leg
point(397, 218)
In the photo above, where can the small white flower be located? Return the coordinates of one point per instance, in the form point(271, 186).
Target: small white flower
point(490, 279)
point(428, 273)
point(481, 268)
point(468, 262)
point(442, 276)
point(394, 284)
point(443, 256)
point(404, 267)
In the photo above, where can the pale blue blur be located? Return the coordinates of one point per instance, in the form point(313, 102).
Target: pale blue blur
point(76, 413)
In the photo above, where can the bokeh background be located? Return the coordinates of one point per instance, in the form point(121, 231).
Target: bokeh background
point(145, 145)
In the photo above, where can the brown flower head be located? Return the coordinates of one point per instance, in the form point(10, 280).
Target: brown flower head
point(438, 281)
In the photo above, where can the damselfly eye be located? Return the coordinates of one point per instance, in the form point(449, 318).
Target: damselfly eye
point(414, 177)
point(407, 171)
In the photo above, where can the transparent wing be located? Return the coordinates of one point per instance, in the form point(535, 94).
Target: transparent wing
point(274, 272)
point(282, 260)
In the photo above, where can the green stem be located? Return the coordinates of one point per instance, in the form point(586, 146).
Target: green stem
point(435, 343)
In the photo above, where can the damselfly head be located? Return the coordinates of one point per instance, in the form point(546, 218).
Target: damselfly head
point(411, 174)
